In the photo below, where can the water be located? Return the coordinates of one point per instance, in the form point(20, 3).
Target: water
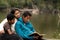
point(46, 24)
point(43, 23)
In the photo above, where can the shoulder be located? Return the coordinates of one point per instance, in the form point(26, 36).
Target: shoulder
point(6, 25)
point(3, 22)
point(18, 23)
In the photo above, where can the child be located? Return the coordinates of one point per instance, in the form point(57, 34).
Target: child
point(16, 12)
point(9, 34)
point(24, 28)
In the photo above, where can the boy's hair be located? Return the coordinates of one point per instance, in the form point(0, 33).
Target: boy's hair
point(14, 9)
point(10, 16)
point(26, 13)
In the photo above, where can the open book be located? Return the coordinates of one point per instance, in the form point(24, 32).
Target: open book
point(36, 34)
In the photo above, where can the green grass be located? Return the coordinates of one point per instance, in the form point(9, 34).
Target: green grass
point(2, 15)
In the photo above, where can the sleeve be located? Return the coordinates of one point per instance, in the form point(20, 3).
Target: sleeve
point(2, 24)
point(31, 27)
point(6, 27)
point(19, 31)
point(1, 28)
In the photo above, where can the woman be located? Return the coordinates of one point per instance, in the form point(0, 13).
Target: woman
point(16, 13)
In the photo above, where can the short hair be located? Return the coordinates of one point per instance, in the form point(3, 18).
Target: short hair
point(10, 16)
point(13, 10)
point(26, 13)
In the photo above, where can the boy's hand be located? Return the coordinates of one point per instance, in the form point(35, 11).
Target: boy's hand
point(35, 37)
point(34, 34)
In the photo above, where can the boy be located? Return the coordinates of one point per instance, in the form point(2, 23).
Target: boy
point(25, 29)
point(9, 34)
point(16, 12)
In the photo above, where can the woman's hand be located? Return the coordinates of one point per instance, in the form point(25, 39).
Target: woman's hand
point(1, 32)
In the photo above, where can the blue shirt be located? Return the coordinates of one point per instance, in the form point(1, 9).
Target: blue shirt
point(24, 29)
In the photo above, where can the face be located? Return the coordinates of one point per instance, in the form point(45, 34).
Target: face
point(17, 14)
point(12, 21)
point(26, 19)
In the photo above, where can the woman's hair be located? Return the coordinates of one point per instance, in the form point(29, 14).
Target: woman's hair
point(26, 13)
point(13, 10)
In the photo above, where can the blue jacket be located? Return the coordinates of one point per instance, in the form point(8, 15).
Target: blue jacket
point(24, 29)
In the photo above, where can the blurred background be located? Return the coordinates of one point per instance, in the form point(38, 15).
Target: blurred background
point(46, 14)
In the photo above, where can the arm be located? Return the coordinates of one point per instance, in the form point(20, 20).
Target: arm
point(2, 24)
point(2, 31)
point(9, 31)
point(31, 27)
point(7, 28)
point(18, 30)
